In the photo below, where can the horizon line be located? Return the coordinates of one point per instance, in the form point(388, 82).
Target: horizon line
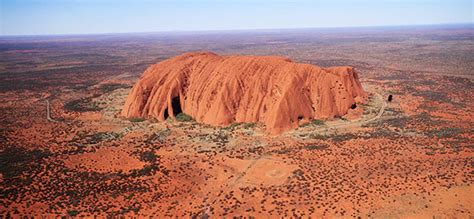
point(468, 24)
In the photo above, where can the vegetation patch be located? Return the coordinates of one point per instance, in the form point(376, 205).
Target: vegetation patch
point(14, 161)
point(343, 137)
point(299, 174)
point(82, 105)
point(445, 132)
point(159, 136)
point(232, 126)
point(147, 170)
point(148, 156)
point(83, 138)
point(381, 132)
point(314, 122)
point(106, 88)
point(316, 146)
point(437, 96)
point(72, 213)
point(406, 122)
point(243, 125)
point(283, 151)
point(249, 125)
point(103, 136)
point(220, 138)
point(318, 136)
point(136, 119)
point(182, 117)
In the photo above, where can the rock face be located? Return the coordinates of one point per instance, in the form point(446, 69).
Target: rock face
point(219, 90)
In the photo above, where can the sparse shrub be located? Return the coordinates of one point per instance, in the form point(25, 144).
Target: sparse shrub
point(232, 126)
point(147, 170)
point(82, 105)
point(148, 156)
point(136, 119)
point(235, 125)
point(182, 117)
point(437, 96)
point(40, 154)
point(102, 136)
point(111, 87)
point(220, 137)
point(317, 122)
point(446, 132)
point(72, 213)
point(430, 153)
point(343, 137)
point(14, 161)
point(159, 136)
point(314, 122)
point(283, 151)
point(380, 132)
point(316, 146)
point(128, 197)
point(317, 136)
point(299, 174)
point(249, 125)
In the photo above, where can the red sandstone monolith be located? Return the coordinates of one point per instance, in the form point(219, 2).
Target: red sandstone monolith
point(219, 90)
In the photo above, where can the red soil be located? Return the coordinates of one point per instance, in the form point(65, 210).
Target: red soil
point(220, 90)
point(104, 160)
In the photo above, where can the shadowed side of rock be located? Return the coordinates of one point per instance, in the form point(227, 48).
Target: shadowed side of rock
point(219, 90)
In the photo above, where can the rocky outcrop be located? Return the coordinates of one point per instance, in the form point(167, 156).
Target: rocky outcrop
point(219, 90)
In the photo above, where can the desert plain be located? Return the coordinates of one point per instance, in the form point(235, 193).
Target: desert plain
point(65, 150)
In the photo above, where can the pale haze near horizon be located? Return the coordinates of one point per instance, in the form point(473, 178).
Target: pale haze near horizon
point(44, 17)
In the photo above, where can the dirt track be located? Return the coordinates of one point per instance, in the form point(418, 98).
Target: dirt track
point(357, 122)
point(48, 112)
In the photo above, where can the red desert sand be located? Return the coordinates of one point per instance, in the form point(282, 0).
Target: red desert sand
point(219, 90)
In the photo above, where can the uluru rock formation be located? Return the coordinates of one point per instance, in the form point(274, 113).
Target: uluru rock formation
point(219, 90)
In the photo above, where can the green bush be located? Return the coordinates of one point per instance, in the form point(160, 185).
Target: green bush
point(314, 122)
point(159, 136)
point(445, 132)
point(316, 146)
point(111, 87)
point(343, 137)
point(318, 136)
point(82, 105)
point(14, 161)
point(97, 137)
point(182, 117)
point(148, 156)
point(232, 126)
point(72, 213)
point(147, 170)
point(249, 125)
point(137, 119)
point(317, 122)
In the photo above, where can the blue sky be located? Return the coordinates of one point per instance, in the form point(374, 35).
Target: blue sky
point(39, 17)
